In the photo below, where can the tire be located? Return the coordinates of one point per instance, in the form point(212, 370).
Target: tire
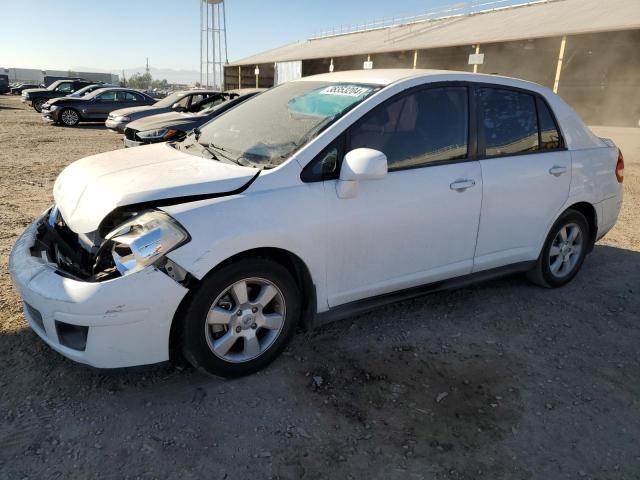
point(69, 117)
point(560, 259)
point(38, 103)
point(222, 341)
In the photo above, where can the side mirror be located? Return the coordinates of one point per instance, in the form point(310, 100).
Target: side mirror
point(177, 107)
point(360, 164)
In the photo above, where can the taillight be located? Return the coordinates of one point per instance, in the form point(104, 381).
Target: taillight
point(620, 167)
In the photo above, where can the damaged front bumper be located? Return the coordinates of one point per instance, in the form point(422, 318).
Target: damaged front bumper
point(120, 322)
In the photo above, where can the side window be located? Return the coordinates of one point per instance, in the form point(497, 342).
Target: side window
point(183, 102)
point(417, 129)
point(509, 120)
point(64, 87)
point(549, 134)
point(109, 96)
point(197, 98)
point(130, 97)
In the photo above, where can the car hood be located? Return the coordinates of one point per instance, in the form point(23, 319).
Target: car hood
point(163, 120)
point(59, 100)
point(35, 90)
point(89, 189)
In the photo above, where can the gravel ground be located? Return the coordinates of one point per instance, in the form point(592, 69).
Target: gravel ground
point(499, 381)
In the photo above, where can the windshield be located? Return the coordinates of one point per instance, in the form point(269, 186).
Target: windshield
point(54, 85)
point(170, 100)
point(269, 128)
point(83, 91)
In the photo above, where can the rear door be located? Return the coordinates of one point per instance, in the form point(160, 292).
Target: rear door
point(126, 99)
point(526, 173)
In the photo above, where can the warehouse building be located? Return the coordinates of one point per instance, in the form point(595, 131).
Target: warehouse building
point(33, 75)
point(586, 50)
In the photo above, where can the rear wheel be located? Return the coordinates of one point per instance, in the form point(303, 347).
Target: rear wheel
point(240, 318)
point(38, 103)
point(563, 252)
point(69, 117)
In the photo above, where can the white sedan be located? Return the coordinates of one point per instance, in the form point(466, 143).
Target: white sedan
point(318, 199)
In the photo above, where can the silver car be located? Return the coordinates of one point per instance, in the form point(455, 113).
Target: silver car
point(181, 101)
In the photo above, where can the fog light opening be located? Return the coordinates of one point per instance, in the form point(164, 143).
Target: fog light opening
point(72, 336)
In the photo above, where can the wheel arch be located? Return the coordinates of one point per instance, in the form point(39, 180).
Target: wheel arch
point(589, 212)
point(292, 262)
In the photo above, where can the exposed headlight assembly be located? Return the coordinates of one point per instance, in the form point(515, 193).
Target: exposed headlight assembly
point(144, 239)
point(159, 134)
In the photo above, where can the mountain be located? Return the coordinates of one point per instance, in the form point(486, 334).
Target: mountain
point(171, 75)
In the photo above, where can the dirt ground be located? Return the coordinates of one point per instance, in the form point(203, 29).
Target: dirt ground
point(539, 384)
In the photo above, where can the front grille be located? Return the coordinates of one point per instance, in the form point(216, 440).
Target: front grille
point(35, 316)
point(130, 134)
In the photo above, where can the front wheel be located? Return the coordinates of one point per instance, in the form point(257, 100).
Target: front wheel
point(69, 117)
point(38, 103)
point(563, 252)
point(240, 318)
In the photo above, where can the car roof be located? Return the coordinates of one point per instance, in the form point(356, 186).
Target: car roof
point(387, 76)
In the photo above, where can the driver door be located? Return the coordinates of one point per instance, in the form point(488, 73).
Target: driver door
point(420, 223)
point(103, 105)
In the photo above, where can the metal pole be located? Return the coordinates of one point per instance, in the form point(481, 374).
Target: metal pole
point(556, 82)
point(475, 65)
point(200, 42)
point(220, 51)
point(224, 21)
point(213, 42)
point(415, 58)
point(207, 35)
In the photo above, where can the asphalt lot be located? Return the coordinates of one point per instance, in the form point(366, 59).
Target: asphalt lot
point(539, 384)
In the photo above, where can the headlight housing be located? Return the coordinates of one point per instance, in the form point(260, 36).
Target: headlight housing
point(50, 107)
point(144, 239)
point(158, 134)
point(122, 118)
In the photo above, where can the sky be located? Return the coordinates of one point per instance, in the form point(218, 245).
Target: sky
point(117, 34)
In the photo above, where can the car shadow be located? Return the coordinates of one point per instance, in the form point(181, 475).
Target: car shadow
point(91, 126)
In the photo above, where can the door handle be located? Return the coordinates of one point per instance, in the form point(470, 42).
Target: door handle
point(462, 185)
point(557, 170)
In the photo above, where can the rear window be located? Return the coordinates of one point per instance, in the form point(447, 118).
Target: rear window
point(549, 134)
point(510, 122)
point(516, 122)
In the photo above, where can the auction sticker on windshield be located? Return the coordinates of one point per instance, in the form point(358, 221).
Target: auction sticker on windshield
point(345, 90)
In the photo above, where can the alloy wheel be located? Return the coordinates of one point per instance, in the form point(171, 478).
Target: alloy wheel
point(70, 117)
point(38, 105)
point(245, 320)
point(565, 250)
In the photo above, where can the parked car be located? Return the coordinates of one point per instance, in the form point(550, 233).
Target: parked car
point(4, 83)
point(318, 199)
point(37, 97)
point(175, 125)
point(93, 107)
point(17, 89)
point(88, 89)
point(48, 107)
point(49, 79)
point(182, 101)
